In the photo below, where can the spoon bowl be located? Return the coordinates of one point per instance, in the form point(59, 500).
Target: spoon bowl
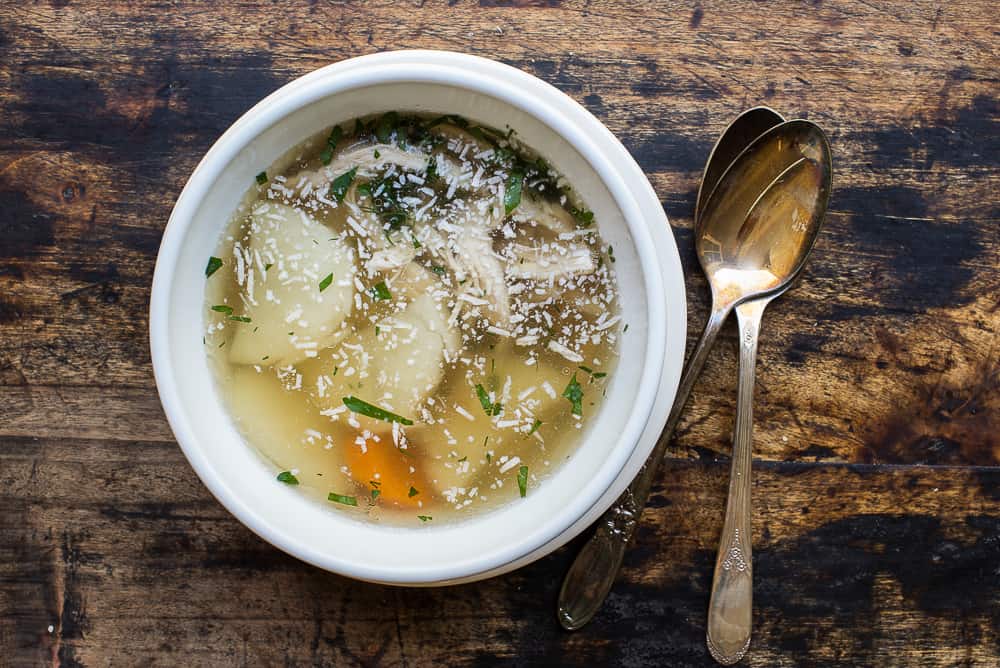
point(742, 132)
point(761, 219)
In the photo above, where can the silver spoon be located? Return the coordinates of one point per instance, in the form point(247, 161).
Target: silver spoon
point(593, 572)
point(754, 255)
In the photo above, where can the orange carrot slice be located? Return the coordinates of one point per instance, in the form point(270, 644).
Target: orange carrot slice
point(388, 466)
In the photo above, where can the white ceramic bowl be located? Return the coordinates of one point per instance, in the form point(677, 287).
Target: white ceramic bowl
point(639, 392)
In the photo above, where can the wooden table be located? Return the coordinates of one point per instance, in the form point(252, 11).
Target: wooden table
point(877, 490)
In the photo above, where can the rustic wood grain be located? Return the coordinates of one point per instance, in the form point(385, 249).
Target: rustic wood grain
point(877, 493)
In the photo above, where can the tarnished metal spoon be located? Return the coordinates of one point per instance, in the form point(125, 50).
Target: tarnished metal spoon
point(593, 572)
point(754, 246)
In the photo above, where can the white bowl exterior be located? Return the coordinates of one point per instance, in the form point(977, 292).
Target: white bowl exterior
point(581, 488)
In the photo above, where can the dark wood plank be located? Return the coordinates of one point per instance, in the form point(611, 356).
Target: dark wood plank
point(878, 404)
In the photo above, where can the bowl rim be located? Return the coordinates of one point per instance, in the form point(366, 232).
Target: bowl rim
point(482, 76)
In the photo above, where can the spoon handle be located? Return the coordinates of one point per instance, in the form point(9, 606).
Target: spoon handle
point(731, 605)
point(591, 575)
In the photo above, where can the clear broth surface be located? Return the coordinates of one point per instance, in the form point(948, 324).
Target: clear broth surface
point(412, 318)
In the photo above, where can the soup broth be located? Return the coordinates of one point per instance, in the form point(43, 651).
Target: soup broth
point(412, 318)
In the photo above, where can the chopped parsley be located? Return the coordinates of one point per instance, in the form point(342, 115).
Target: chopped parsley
point(594, 375)
point(583, 217)
point(437, 269)
point(356, 405)
point(492, 409)
point(213, 266)
point(342, 498)
point(611, 253)
point(512, 192)
point(376, 154)
point(267, 267)
point(261, 178)
point(574, 393)
point(386, 126)
point(625, 329)
point(413, 492)
point(341, 184)
point(534, 426)
point(331, 144)
point(522, 481)
point(288, 478)
point(325, 283)
point(222, 308)
point(424, 518)
point(381, 291)
point(239, 318)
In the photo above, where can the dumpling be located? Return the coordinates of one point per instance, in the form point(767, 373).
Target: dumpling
point(297, 285)
point(395, 364)
point(453, 453)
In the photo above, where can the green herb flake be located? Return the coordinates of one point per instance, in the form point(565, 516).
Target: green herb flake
point(341, 184)
point(522, 481)
point(213, 266)
point(625, 329)
point(375, 494)
point(381, 291)
point(261, 178)
point(325, 283)
point(587, 369)
point(611, 253)
point(356, 405)
point(512, 192)
point(600, 374)
point(386, 126)
point(222, 308)
point(491, 409)
point(265, 358)
point(465, 458)
point(267, 267)
point(239, 318)
point(376, 154)
point(288, 478)
point(574, 393)
point(534, 426)
point(424, 518)
point(378, 330)
point(326, 156)
point(335, 136)
point(342, 498)
point(583, 217)
point(413, 492)
point(438, 269)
